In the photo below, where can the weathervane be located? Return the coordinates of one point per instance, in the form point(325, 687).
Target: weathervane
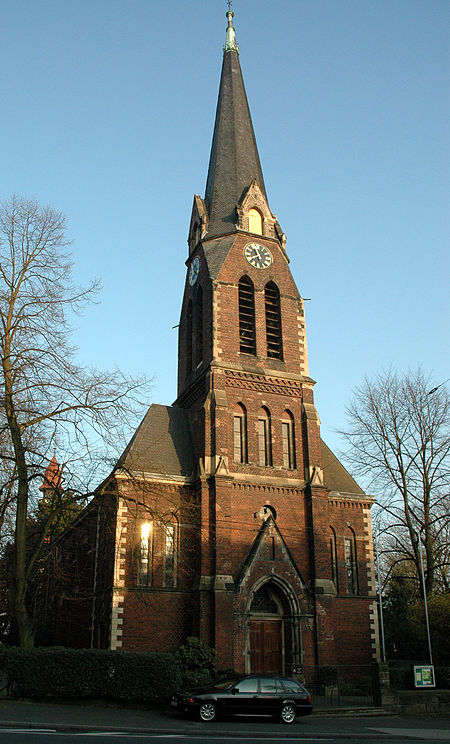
point(229, 4)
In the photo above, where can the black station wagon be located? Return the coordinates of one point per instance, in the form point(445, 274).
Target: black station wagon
point(258, 695)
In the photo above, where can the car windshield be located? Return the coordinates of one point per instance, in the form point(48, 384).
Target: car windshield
point(224, 684)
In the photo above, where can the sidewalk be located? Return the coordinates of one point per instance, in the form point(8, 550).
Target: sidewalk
point(108, 718)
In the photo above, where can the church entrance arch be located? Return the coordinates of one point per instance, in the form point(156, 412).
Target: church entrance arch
point(273, 629)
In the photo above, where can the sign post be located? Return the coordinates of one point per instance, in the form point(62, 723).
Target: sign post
point(424, 676)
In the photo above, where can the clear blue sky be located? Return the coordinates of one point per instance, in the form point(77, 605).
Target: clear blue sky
point(107, 110)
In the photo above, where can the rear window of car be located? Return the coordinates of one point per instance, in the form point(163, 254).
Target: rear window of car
point(270, 684)
point(291, 685)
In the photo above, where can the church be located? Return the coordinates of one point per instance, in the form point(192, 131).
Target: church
point(227, 517)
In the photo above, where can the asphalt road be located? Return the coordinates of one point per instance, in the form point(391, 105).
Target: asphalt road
point(41, 736)
point(25, 722)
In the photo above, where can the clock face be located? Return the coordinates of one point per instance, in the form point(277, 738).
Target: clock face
point(258, 255)
point(193, 271)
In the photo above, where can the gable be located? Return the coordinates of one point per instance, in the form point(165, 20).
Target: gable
point(268, 539)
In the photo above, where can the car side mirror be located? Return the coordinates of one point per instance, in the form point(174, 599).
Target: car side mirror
point(234, 690)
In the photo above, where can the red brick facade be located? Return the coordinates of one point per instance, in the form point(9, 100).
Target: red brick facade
point(232, 519)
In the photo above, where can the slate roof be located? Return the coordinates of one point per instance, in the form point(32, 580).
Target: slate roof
point(234, 160)
point(162, 444)
point(216, 252)
point(336, 477)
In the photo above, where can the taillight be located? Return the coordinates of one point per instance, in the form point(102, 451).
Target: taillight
point(191, 700)
point(309, 698)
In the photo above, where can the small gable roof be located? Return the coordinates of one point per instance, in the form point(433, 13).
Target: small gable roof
point(336, 477)
point(162, 444)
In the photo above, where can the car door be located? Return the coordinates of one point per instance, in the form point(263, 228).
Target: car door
point(270, 693)
point(244, 696)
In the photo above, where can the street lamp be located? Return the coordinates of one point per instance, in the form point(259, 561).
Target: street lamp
point(419, 547)
point(380, 601)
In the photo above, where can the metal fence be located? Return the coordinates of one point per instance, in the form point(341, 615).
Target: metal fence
point(343, 686)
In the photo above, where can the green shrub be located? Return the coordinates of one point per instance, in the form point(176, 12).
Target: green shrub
point(73, 673)
point(197, 661)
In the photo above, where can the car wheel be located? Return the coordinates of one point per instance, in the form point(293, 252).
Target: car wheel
point(207, 711)
point(287, 713)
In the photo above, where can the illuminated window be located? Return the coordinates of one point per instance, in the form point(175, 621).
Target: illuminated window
point(240, 434)
point(350, 564)
point(170, 556)
point(264, 438)
point(273, 321)
point(145, 555)
point(247, 333)
point(288, 440)
point(254, 221)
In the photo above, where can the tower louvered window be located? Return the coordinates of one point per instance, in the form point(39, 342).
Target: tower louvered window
point(199, 327)
point(247, 334)
point(273, 321)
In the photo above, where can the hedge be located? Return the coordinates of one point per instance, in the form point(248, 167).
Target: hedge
point(91, 673)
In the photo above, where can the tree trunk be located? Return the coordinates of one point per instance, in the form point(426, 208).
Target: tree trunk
point(22, 618)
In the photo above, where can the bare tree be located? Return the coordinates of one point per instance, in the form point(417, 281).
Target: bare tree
point(399, 440)
point(47, 397)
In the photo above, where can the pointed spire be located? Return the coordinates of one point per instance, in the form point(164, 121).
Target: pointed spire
point(52, 477)
point(234, 160)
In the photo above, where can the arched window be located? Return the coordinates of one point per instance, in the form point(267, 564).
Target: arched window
point(240, 434)
point(247, 333)
point(288, 440)
point(350, 563)
point(264, 602)
point(333, 558)
point(273, 321)
point(199, 327)
point(170, 555)
point(145, 554)
point(189, 337)
point(254, 221)
point(264, 437)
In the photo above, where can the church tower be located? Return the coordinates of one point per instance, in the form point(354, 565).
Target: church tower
point(269, 555)
point(227, 517)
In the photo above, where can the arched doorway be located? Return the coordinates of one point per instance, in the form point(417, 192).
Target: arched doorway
point(273, 637)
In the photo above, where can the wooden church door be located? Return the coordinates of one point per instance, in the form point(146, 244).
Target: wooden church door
point(266, 635)
point(265, 646)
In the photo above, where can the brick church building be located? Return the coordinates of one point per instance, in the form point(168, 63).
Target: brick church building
point(227, 516)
